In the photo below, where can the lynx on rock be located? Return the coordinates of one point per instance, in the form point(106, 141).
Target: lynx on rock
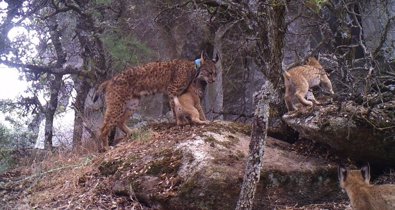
point(123, 91)
point(300, 79)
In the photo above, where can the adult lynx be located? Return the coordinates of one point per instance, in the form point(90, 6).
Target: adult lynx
point(123, 91)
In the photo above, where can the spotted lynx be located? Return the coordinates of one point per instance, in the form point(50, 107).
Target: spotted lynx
point(188, 107)
point(362, 194)
point(123, 91)
point(299, 79)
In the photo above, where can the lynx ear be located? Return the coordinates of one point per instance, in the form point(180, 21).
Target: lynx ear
point(365, 170)
point(342, 174)
point(202, 57)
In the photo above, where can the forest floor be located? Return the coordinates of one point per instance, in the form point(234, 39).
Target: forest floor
point(66, 180)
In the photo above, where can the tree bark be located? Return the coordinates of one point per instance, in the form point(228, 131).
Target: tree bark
point(270, 104)
point(51, 109)
point(79, 108)
point(255, 157)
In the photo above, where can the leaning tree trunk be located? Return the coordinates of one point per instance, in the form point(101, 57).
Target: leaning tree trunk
point(270, 104)
point(255, 157)
point(79, 108)
point(51, 109)
point(273, 38)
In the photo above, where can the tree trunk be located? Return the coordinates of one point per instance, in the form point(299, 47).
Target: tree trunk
point(255, 157)
point(51, 109)
point(276, 28)
point(270, 104)
point(79, 108)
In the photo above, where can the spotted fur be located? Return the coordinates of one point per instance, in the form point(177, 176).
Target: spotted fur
point(123, 91)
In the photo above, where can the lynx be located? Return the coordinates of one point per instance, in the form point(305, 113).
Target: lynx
point(300, 79)
point(188, 106)
point(123, 91)
point(364, 196)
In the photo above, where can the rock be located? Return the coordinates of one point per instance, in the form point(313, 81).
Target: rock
point(353, 130)
point(205, 170)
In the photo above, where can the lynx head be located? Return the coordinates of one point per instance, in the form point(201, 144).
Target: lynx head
point(326, 83)
point(208, 70)
point(347, 177)
point(311, 61)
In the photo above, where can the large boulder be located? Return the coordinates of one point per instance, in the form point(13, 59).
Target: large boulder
point(166, 167)
point(362, 133)
point(203, 168)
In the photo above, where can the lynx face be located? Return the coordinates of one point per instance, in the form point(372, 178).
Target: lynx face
point(123, 91)
point(300, 79)
point(364, 196)
point(208, 70)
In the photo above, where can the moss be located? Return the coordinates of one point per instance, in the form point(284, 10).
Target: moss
point(197, 195)
point(188, 187)
point(168, 162)
point(240, 154)
point(110, 167)
point(210, 139)
point(240, 128)
point(231, 141)
point(142, 135)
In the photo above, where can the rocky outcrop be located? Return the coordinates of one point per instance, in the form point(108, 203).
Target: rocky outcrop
point(203, 169)
point(362, 133)
point(166, 167)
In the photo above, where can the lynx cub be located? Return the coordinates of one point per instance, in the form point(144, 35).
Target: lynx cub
point(364, 196)
point(299, 79)
point(188, 106)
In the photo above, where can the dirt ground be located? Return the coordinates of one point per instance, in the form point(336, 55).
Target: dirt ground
point(90, 180)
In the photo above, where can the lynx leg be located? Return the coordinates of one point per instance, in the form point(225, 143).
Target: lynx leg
point(173, 108)
point(114, 115)
point(199, 108)
point(310, 97)
point(195, 119)
point(303, 100)
point(301, 94)
point(178, 112)
point(107, 127)
point(131, 107)
point(288, 102)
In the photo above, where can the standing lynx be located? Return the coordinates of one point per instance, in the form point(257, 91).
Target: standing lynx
point(299, 79)
point(123, 91)
point(364, 196)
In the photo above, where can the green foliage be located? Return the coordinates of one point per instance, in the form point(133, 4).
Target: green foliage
point(4, 135)
point(142, 135)
point(315, 5)
point(103, 2)
point(6, 158)
point(125, 49)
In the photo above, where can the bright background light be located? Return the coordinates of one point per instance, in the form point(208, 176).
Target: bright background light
point(10, 85)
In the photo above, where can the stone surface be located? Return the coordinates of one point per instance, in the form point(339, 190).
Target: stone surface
point(205, 171)
point(353, 130)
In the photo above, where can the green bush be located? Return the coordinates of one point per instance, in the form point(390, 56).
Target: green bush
point(125, 49)
point(6, 150)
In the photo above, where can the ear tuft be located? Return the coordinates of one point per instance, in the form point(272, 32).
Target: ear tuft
point(202, 57)
point(365, 171)
point(342, 173)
